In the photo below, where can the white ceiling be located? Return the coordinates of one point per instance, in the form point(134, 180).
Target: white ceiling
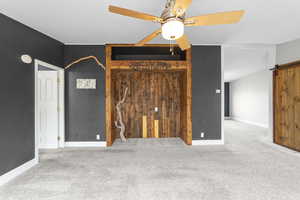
point(89, 22)
point(243, 60)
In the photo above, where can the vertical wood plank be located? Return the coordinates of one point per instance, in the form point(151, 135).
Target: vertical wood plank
point(297, 108)
point(108, 116)
point(189, 136)
point(156, 128)
point(145, 134)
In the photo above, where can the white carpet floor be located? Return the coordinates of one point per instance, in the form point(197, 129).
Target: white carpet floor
point(246, 168)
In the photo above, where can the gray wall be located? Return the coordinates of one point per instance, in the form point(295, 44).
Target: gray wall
point(206, 102)
point(288, 52)
point(85, 109)
point(17, 89)
point(227, 99)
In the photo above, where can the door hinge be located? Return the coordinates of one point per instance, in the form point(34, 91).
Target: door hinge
point(58, 109)
point(58, 138)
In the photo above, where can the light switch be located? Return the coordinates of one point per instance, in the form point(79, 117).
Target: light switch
point(218, 91)
point(156, 109)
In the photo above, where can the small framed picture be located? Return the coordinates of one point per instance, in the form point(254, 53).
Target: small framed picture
point(86, 83)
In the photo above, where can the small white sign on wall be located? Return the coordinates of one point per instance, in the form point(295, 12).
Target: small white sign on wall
point(86, 83)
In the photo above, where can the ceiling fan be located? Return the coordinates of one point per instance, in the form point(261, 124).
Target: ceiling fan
point(173, 20)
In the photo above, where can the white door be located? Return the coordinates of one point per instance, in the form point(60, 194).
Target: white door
point(48, 109)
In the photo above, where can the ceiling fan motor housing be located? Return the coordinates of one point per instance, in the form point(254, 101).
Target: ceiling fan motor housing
point(168, 12)
point(172, 25)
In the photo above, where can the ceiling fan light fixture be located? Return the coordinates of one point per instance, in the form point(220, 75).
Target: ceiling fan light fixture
point(172, 29)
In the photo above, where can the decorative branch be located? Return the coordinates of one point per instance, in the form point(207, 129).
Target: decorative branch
point(119, 123)
point(86, 58)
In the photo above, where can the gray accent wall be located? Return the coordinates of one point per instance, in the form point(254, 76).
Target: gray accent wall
point(17, 89)
point(288, 52)
point(85, 111)
point(85, 108)
point(206, 106)
point(227, 99)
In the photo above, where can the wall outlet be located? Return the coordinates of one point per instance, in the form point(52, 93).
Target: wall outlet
point(98, 137)
point(202, 135)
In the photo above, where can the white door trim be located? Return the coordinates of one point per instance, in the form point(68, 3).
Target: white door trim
point(61, 102)
point(222, 94)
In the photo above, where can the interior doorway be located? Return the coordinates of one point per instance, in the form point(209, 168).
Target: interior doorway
point(49, 106)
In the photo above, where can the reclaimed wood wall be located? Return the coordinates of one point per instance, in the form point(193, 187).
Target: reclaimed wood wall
point(287, 106)
point(149, 90)
point(166, 84)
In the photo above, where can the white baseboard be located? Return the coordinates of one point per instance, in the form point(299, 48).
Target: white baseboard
point(48, 146)
point(207, 142)
point(85, 144)
point(250, 122)
point(17, 171)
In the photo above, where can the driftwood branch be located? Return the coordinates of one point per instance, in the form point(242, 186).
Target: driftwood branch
point(119, 123)
point(86, 58)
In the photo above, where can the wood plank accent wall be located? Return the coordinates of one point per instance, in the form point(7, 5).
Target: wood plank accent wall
point(148, 90)
point(287, 106)
point(169, 89)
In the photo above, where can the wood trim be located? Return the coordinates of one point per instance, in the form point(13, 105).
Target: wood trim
point(274, 106)
point(291, 64)
point(146, 45)
point(108, 114)
point(189, 133)
point(125, 65)
point(175, 65)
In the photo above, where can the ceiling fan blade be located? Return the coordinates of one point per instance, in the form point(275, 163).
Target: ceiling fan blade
point(215, 19)
point(183, 43)
point(148, 38)
point(134, 14)
point(181, 6)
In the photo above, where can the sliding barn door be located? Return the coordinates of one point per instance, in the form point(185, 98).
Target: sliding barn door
point(287, 106)
point(153, 106)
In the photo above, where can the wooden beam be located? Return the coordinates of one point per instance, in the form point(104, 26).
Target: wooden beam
point(108, 114)
point(189, 133)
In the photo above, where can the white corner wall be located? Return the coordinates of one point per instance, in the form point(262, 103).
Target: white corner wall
point(249, 99)
point(288, 52)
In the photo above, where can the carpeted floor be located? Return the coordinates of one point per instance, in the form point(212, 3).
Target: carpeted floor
point(246, 168)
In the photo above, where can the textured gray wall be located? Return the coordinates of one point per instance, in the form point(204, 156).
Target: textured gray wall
point(288, 52)
point(206, 103)
point(85, 111)
point(17, 89)
point(84, 121)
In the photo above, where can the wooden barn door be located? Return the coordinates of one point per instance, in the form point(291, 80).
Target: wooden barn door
point(153, 105)
point(287, 106)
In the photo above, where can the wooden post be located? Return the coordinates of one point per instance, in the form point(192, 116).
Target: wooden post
point(108, 117)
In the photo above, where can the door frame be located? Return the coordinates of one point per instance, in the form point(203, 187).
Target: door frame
point(61, 104)
point(184, 65)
